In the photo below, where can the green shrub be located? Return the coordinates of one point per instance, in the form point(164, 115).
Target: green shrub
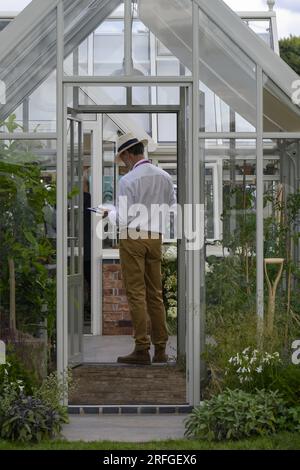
point(252, 369)
point(29, 419)
point(287, 382)
point(236, 414)
point(14, 371)
point(36, 417)
point(169, 287)
point(54, 389)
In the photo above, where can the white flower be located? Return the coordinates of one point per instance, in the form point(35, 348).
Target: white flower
point(170, 253)
point(259, 369)
point(172, 312)
point(208, 268)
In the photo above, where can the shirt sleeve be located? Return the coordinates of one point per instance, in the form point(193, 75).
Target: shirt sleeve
point(125, 199)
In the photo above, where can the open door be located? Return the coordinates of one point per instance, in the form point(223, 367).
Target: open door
point(75, 241)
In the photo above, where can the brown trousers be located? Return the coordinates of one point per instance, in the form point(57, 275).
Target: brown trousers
point(141, 270)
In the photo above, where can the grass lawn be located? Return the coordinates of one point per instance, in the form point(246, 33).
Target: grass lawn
point(283, 441)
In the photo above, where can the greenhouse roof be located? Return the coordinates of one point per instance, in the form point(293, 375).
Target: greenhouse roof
point(229, 52)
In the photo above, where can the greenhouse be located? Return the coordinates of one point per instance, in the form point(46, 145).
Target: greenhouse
point(220, 111)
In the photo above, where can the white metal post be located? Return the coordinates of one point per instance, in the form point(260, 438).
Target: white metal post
point(62, 288)
point(259, 205)
point(275, 33)
point(96, 191)
point(190, 263)
point(196, 310)
point(128, 63)
point(127, 37)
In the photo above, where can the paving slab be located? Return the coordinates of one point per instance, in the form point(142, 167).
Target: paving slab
point(106, 349)
point(124, 428)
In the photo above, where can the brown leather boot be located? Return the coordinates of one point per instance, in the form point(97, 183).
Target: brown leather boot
point(160, 355)
point(136, 357)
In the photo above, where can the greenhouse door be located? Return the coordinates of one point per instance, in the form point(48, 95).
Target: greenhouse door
point(75, 240)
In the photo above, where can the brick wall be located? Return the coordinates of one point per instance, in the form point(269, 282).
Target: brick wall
point(116, 318)
point(135, 385)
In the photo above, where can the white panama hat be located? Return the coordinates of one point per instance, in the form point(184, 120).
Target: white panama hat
point(127, 141)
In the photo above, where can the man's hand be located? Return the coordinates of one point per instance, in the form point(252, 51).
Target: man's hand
point(103, 213)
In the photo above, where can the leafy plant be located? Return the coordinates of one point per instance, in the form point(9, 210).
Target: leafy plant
point(27, 291)
point(290, 52)
point(169, 284)
point(30, 419)
point(55, 388)
point(236, 414)
point(287, 382)
point(14, 371)
point(252, 369)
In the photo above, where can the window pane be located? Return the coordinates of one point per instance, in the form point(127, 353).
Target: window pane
point(28, 255)
point(262, 28)
point(280, 113)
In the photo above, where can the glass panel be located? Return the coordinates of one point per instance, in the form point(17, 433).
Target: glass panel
point(20, 73)
point(42, 107)
point(99, 95)
point(75, 240)
point(282, 243)
point(116, 317)
point(162, 95)
point(262, 28)
point(167, 128)
point(4, 23)
point(111, 174)
point(142, 95)
point(28, 256)
point(229, 75)
point(230, 207)
point(167, 44)
point(280, 113)
point(74, 198)
point(109, 48)
point(98, 47)
point(141, 48)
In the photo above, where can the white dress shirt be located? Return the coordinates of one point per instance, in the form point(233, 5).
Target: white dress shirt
point(145, 200)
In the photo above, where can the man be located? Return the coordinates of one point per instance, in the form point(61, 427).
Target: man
point(142, 187)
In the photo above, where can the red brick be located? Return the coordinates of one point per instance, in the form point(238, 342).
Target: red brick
point(111, 267)
point(114, 299)
point(107, 292)
point(108, 276)
point(116, 284)
point(122, 292)
point(113, 316)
